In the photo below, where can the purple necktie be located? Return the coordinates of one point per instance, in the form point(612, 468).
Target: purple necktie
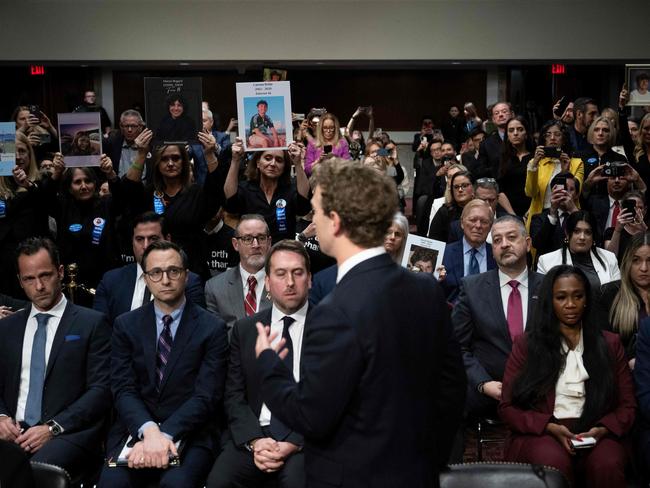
point(515, 314)
point(165, 342)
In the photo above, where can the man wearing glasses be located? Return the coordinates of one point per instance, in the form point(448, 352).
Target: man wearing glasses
point(239, 292)
point(168, 368)
point(121, 146)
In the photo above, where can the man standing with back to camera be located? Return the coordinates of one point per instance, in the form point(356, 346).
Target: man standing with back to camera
point(382, 383)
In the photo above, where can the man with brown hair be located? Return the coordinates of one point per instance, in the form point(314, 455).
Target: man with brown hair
point(382, 383)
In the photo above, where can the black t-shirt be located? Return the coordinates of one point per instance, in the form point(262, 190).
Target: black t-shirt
point(219, 252)
point(319, 260)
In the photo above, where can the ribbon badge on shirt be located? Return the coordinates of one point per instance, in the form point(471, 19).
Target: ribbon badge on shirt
point(281, 214)
point(98, 228)
point(3, 209)
point(158, 204)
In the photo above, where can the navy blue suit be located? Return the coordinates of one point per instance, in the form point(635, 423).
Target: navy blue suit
point(190, 393)
point(76, 392)
point(323, 283)
point(115, 291)
point(382, 382)
point(455, 266)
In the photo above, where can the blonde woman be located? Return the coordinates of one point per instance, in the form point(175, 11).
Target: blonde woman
point(328, 141)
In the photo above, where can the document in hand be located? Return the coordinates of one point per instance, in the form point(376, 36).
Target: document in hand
point(122, 460)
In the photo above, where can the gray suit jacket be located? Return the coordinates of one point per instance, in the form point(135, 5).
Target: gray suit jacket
point(224, 295)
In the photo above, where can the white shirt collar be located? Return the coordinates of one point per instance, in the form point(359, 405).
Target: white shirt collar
point(467, 247)
point(259, 276)
point(358, 258)
point(504, 279)
point(299, 316)
point(56, 311)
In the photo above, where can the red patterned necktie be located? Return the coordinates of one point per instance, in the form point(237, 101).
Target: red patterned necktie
point(615, 212)
point(165, 342)
point(515, 314)
point(250, 302)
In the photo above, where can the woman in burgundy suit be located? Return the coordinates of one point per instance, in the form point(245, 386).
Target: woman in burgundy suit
point(566, 380)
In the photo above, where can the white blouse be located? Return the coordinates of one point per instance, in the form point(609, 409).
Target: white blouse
point(570, 386)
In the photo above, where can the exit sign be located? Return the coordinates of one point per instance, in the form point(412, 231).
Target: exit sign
point(36, 70)
point(558, 69)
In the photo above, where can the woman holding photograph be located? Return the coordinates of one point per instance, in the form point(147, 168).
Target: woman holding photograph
point(328, 141)
point(268, 189)
point(567, 383)
point(23, 210)
point(185, 205)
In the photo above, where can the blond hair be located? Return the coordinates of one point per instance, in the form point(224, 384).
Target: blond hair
point(7, 188)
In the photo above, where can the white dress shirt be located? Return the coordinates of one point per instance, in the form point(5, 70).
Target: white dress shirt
point(259, 288)
point(56, 313)
point(138, 290)
point(358, 258)
point(506, 289)
point(570, 386)
point(296, 331)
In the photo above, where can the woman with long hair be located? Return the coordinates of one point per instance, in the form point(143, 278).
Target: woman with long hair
point(581, 250)
point(268, 189)
point(550, 158)
point(461, 187)
point(566, 382)
point(395, 240)
point(472, 120)
point(517, 151)
point(328, 141)
point(642, 150)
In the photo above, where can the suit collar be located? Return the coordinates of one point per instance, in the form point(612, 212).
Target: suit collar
point(359, 258)
point(66, 324)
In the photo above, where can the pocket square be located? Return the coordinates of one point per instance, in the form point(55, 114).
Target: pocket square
point(70, 338)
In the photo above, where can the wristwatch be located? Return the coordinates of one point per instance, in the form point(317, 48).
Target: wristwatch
point(55, 429)
point(481, 386)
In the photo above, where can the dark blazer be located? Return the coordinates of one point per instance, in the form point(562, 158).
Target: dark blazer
point(481, 327)
point(453, 261)
point(382, 383)
point(243, 399)
point(322, 284)
point(115, 291)
point(192, 385)
point(546, 237)
point(524, 423)
point(598, 205)
point(76, 392)
point(489, 157)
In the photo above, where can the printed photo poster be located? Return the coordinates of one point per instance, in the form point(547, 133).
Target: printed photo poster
point(264, 113)
point(173, 109)
point(637, 78)
point(80, 139)
point(423, 255)
point(7, 148)
point(272, 74)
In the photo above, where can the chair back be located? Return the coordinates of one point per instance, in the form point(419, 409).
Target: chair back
point(50, 476)
point(498, 475)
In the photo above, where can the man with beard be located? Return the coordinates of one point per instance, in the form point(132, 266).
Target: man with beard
point(239, 291)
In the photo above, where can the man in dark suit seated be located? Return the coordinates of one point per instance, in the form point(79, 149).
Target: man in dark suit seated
point(238, 292)
point(470, 255)
point(381, 383)
point(168, 367)
point(54, 368)
point(547, 228)
point(261, 447)
point(124, 289)
point(492, 309)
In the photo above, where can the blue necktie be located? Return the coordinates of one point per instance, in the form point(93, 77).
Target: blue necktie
point(37, 371)
point(279, 431)
point(473, 262)
point(165, 342)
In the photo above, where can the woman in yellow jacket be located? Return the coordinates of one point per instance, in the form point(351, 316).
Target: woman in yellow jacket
point(551, 158)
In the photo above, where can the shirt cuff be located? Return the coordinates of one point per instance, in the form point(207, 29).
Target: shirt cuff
point(552, 219)
point(145, 426)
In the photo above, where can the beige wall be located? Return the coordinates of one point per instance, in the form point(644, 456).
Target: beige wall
point(306, 30)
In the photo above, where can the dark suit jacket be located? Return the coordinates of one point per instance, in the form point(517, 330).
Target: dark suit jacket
point(546, 237)
point(598, 205)
point(76, 392)
point(322, 284)
point(453, 261)
point(489, 157)
point(618, 419)
point(115, 291)
point(481, 327)
point(382, 383)
point(193, 381)
point(243, 399)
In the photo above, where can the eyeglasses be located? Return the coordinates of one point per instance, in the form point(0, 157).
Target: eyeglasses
point(174, 158)
point(129, 126)
point(248, 240)
point(553, 134)
point(462, 186)
point(156, 274)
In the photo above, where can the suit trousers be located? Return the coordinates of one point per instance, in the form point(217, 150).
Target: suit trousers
point(15, 469)
point(74, 459)
point(195, 464)
point(235, 468)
